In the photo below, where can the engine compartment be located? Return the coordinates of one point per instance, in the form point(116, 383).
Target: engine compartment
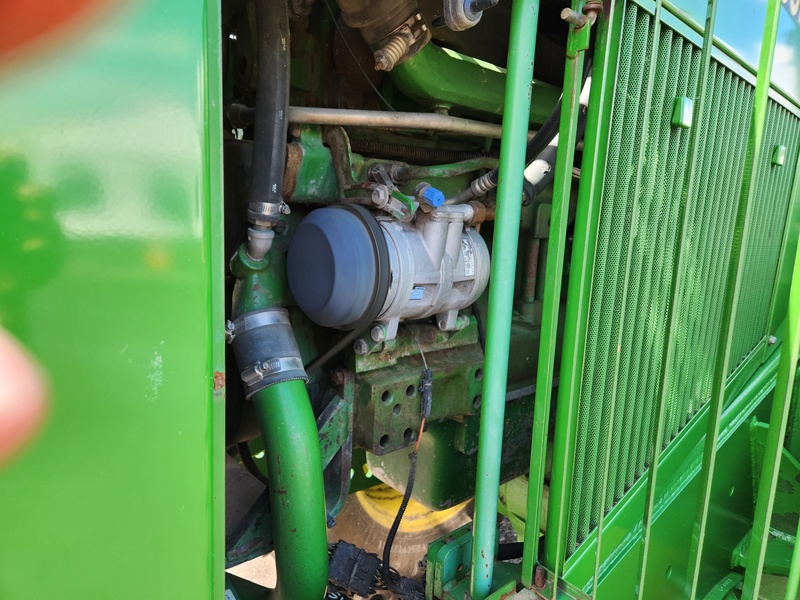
point(361, 222)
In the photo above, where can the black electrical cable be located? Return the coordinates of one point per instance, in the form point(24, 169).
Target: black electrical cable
point(270, 122)
point(408, 589)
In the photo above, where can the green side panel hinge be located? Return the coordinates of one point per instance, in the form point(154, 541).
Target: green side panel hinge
point(779, 155)
point(682, 112)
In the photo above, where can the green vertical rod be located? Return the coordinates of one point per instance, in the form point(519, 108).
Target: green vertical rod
point(516, 112)
point(606, 44)
point(587, 218)
point(688, 192)
point(577, 42)
point(794, 569)
point(732, 289)
point(788, 244)
point(773, 451)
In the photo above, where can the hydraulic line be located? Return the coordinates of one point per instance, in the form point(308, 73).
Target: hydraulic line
point(537, 144)
point(270, 123)
point(541, 171)
point(241, 116)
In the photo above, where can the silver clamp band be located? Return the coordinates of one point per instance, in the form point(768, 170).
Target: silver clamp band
point(263, 369)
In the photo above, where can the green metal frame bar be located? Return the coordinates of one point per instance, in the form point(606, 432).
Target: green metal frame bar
point(577, 43)
point(794, 569)
point(773, 451)
point(783, 277)
point(213, 248)
point(598, 128)
point(521, 52)
point(734, 279)
point(689, 192)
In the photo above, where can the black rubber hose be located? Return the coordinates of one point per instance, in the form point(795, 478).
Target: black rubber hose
point(270, 122)
point(548, 130)
point(549, 155)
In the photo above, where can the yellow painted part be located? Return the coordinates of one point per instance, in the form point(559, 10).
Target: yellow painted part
point(382, 502)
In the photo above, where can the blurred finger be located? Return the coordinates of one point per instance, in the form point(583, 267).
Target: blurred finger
point(22, 396)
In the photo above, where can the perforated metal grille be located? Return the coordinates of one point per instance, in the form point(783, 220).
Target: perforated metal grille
point(644, 179)
point(707, 250)
point(765, 232)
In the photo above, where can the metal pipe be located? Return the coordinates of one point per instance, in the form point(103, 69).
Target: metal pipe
point(394, 120)
point(296, 489)
point(577, 43)
point(274, 380)
point(521, 51)
point(437, 76)
point(406, 172)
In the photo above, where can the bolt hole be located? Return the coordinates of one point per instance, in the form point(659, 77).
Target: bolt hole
point(478, 374)
point(396, 409)
point(386, 397)
point(460, 567)
point(384, 441)
point(410, 391)
point(408, 435)
point(668, 574)
point(730, 491)
point(476, 401)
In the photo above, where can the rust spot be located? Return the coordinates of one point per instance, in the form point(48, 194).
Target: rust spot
point(281, 491)
point(539, 577)
point(219, 380)
point(278, 459)
point(294, 157)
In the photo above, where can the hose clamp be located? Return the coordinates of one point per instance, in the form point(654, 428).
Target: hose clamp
point(261, 370)
point(265, 348)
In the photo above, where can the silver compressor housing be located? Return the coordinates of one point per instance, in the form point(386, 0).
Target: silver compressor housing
point(348, 269)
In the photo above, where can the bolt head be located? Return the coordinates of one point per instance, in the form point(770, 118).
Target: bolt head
point(380, 196)
point(772, 340)
point(378, 333)
point(360, 346)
